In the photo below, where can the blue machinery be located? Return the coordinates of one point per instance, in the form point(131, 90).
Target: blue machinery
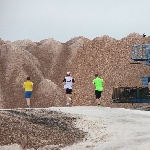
point(141, 53)
point(135, 94)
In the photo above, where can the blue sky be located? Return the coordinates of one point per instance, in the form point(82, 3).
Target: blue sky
point(64, 19)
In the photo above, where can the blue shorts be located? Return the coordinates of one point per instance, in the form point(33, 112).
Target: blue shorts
point(28, 94)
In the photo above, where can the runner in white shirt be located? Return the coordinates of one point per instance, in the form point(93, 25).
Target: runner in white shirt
point(68, 82)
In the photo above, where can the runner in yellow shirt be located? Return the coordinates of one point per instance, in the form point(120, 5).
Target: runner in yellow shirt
point(28, 86)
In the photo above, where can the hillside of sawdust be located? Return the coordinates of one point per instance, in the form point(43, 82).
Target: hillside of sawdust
point(47, 62)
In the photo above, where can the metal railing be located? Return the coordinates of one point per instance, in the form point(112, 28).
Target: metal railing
point(131, 95)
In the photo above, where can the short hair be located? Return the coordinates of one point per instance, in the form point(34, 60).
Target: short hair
point(28, 78)
point(96, 75)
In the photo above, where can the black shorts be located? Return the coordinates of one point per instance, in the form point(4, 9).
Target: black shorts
point(68, 91)
point(98, 94)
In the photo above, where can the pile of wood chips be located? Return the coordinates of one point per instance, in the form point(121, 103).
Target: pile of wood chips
point(47, 62)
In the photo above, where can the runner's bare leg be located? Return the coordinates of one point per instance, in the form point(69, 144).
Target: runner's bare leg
point(28, 102)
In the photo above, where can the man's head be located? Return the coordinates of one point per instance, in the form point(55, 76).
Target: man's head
point(68, 73)
point(96, 75)
point(28, 78)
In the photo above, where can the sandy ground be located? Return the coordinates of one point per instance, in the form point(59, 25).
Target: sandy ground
point(108, 128)
point(112, 128)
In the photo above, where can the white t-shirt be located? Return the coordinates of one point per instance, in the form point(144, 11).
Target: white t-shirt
point(69, 80)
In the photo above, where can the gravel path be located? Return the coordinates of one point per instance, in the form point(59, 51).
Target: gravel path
point(106, 128)
point(112, 128)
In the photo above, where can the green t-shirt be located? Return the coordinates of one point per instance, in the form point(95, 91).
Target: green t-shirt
point(98, 84)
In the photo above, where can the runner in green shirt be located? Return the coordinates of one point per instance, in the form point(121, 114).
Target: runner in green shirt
point(98, 82)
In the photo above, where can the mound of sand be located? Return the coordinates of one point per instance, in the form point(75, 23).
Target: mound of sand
point(47, 62)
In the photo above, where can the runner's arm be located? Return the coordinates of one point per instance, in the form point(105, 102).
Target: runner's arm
point(93, 82)
point(23, 86)
point(73, 81)
point(32, 85)
point(64, 81)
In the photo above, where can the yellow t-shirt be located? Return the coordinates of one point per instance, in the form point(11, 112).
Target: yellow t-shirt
point(28, 85)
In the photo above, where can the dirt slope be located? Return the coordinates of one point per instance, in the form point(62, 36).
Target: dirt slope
point(47, 62)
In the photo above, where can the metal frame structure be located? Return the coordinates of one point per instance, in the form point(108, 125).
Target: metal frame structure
point(131, 95)
point(141, 53)
point(135, 94)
